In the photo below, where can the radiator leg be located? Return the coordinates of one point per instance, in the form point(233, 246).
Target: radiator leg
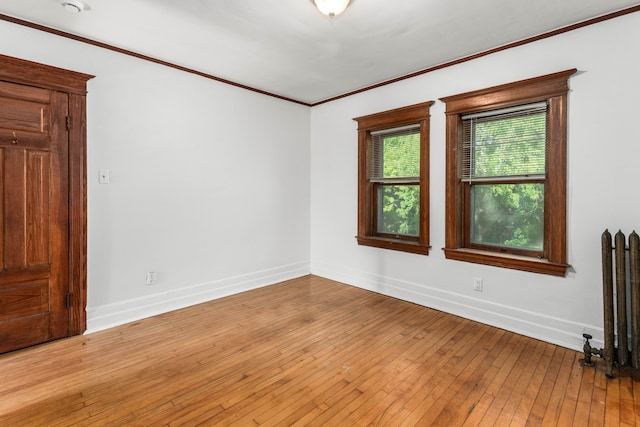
point(607, 294)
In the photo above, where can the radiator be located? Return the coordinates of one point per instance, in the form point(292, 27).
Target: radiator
point(621, 317)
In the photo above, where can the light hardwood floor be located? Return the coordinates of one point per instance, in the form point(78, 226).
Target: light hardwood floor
point(309, 351)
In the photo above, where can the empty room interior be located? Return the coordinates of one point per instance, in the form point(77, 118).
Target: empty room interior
point(404, 213)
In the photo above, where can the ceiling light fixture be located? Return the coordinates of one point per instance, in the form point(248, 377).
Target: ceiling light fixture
point(74, 6)
point(331, 8)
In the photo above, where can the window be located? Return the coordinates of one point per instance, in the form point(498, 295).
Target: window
point(393, 198)
point(506, 175)
point(502, 173)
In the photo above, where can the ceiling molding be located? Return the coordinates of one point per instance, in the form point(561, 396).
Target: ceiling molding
point(528, 40)
point(489, 52)
point(143, 57)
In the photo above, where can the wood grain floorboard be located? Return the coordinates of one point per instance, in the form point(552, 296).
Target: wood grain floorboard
point(309, 352)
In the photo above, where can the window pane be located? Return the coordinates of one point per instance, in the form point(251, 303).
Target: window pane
point(399, 209)
point(508, 215)
point(396, 155)
point(509, 146)
point(402, 156)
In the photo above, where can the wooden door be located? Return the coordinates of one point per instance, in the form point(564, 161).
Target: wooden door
point(34, 222)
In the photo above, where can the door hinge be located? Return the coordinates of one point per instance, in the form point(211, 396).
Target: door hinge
point(68, 300)
point(68, 123)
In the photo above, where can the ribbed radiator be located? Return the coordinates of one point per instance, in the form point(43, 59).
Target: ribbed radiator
point(621, 317)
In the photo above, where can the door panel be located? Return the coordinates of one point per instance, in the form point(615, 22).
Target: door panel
point(22, 116)
point(25, 115)
point(37, 208)
point(34, 280)
point(24, 332)
point(27, 299)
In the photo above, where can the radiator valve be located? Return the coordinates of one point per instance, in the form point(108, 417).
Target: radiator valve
point(588, 351)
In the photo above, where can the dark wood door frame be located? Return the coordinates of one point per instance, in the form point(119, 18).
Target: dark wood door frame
point(74, 84)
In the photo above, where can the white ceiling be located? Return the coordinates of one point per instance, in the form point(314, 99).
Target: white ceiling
point(286, 47)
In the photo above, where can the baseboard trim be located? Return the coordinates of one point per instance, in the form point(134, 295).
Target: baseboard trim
point(111, 315)
point(554, 330)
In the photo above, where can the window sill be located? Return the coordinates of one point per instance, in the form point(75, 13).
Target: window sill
point(394, 244)
point(515, 262)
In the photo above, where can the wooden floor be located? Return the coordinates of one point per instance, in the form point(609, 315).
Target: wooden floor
point(308, 352)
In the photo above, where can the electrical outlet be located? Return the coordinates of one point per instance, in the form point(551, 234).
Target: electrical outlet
point(151, 278)
point(477, 284)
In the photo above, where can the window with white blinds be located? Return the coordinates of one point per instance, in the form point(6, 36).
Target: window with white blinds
point(395, 172)
point(507, 144)
point(393, 179)
point(506, 175)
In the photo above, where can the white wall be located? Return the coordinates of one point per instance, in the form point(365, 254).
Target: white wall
point(603, 154)
point(209, 183)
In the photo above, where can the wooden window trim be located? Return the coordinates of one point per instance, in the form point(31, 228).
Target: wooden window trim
point(367, 234)
point(553, 89)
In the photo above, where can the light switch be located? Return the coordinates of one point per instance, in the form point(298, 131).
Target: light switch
point(104, 176)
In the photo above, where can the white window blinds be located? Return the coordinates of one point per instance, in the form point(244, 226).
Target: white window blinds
point(504, 144)
point(394, 155)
